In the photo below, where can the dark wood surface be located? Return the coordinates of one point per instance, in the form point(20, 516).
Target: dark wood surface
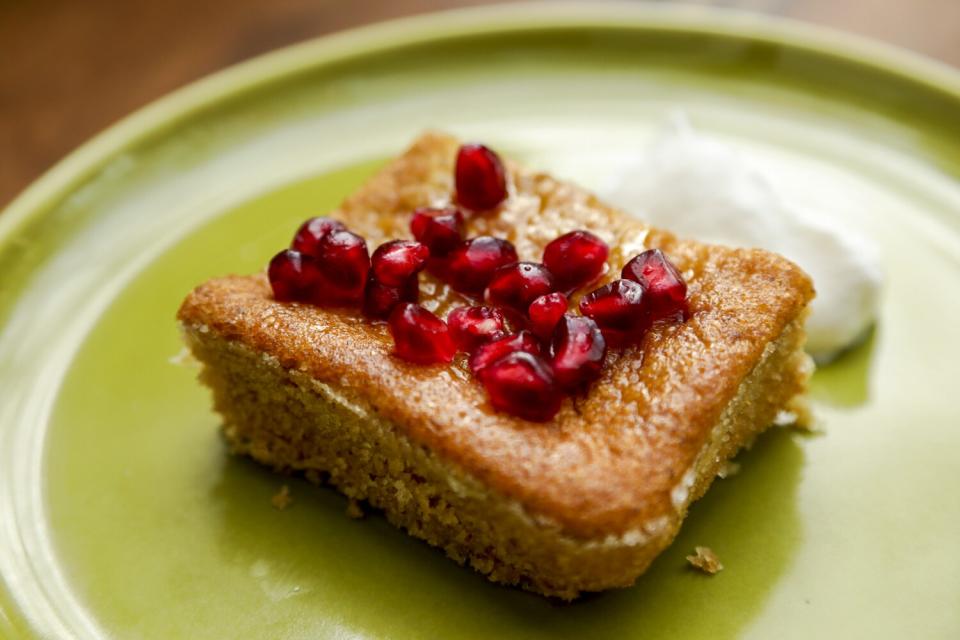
point(69, 68)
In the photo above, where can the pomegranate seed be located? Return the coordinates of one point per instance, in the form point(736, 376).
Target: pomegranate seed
point(470, 267)
point(311, 232)
point(545, 312)
point(472, 326)
point(666, 290)
point(344, 265)
point(578, 351)
point(522, 385)
point(395, 261)
point(293, 276)
point(489, 352)
point(620, 310)
point(517, 285)
point(576, 258)
point(441, 230)
point(380, 299)
point(480, 178)
point(419, 336)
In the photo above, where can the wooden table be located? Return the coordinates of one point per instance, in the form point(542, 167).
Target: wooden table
point(69, 68)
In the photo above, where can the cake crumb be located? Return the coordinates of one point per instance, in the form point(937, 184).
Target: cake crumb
point(353, 510)
point(282, 499)
point(705, 560)
point(728, 469)
point(184, 358)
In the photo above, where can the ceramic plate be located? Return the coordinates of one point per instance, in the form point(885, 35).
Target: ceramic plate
point(121, 514)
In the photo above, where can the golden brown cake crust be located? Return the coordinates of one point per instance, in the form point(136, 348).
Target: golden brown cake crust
point(607, 463)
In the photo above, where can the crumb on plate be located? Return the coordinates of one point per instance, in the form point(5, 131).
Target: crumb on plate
point(354, 510)
point(705, 560)
point(282, 499)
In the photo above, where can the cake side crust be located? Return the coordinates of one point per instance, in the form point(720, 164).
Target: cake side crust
point(288, 420)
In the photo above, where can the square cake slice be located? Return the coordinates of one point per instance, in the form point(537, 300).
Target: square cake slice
point(582, 502)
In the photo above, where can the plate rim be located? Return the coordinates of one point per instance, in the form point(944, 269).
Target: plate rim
point(232, 81)
point(226, 85)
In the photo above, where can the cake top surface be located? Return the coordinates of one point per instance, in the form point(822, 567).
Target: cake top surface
point(607, 463)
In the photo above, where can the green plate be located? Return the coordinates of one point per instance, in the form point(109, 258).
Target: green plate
point(121, 514)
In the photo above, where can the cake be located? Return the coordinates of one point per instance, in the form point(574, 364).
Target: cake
point(583, 501)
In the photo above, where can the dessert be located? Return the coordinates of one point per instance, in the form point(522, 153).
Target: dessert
point(563, 465)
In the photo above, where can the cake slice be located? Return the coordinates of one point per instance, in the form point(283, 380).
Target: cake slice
point(582, 502)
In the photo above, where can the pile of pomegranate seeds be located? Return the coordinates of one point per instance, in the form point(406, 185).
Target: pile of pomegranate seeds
point(524, 345)
point(326, 266)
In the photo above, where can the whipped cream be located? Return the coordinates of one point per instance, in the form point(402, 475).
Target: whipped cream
point(700, 188)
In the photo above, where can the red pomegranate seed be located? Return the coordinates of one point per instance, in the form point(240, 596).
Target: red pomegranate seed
point(578, 351)
point(620, 310)
point(517, 285)
point(480, 179)
point(441, 230)
point(522, 385)
point(545, 312)
point(575, 259)
point(293, 276)
point(311, 232)
point(344, 265)
point(419, 336)
point(380, 299)
point(472, 326)
point(470, 266)
point(666, 290)
point(489, 352)
point(395, 261)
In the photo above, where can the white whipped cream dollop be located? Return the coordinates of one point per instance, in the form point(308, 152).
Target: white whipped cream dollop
point(701, 188)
